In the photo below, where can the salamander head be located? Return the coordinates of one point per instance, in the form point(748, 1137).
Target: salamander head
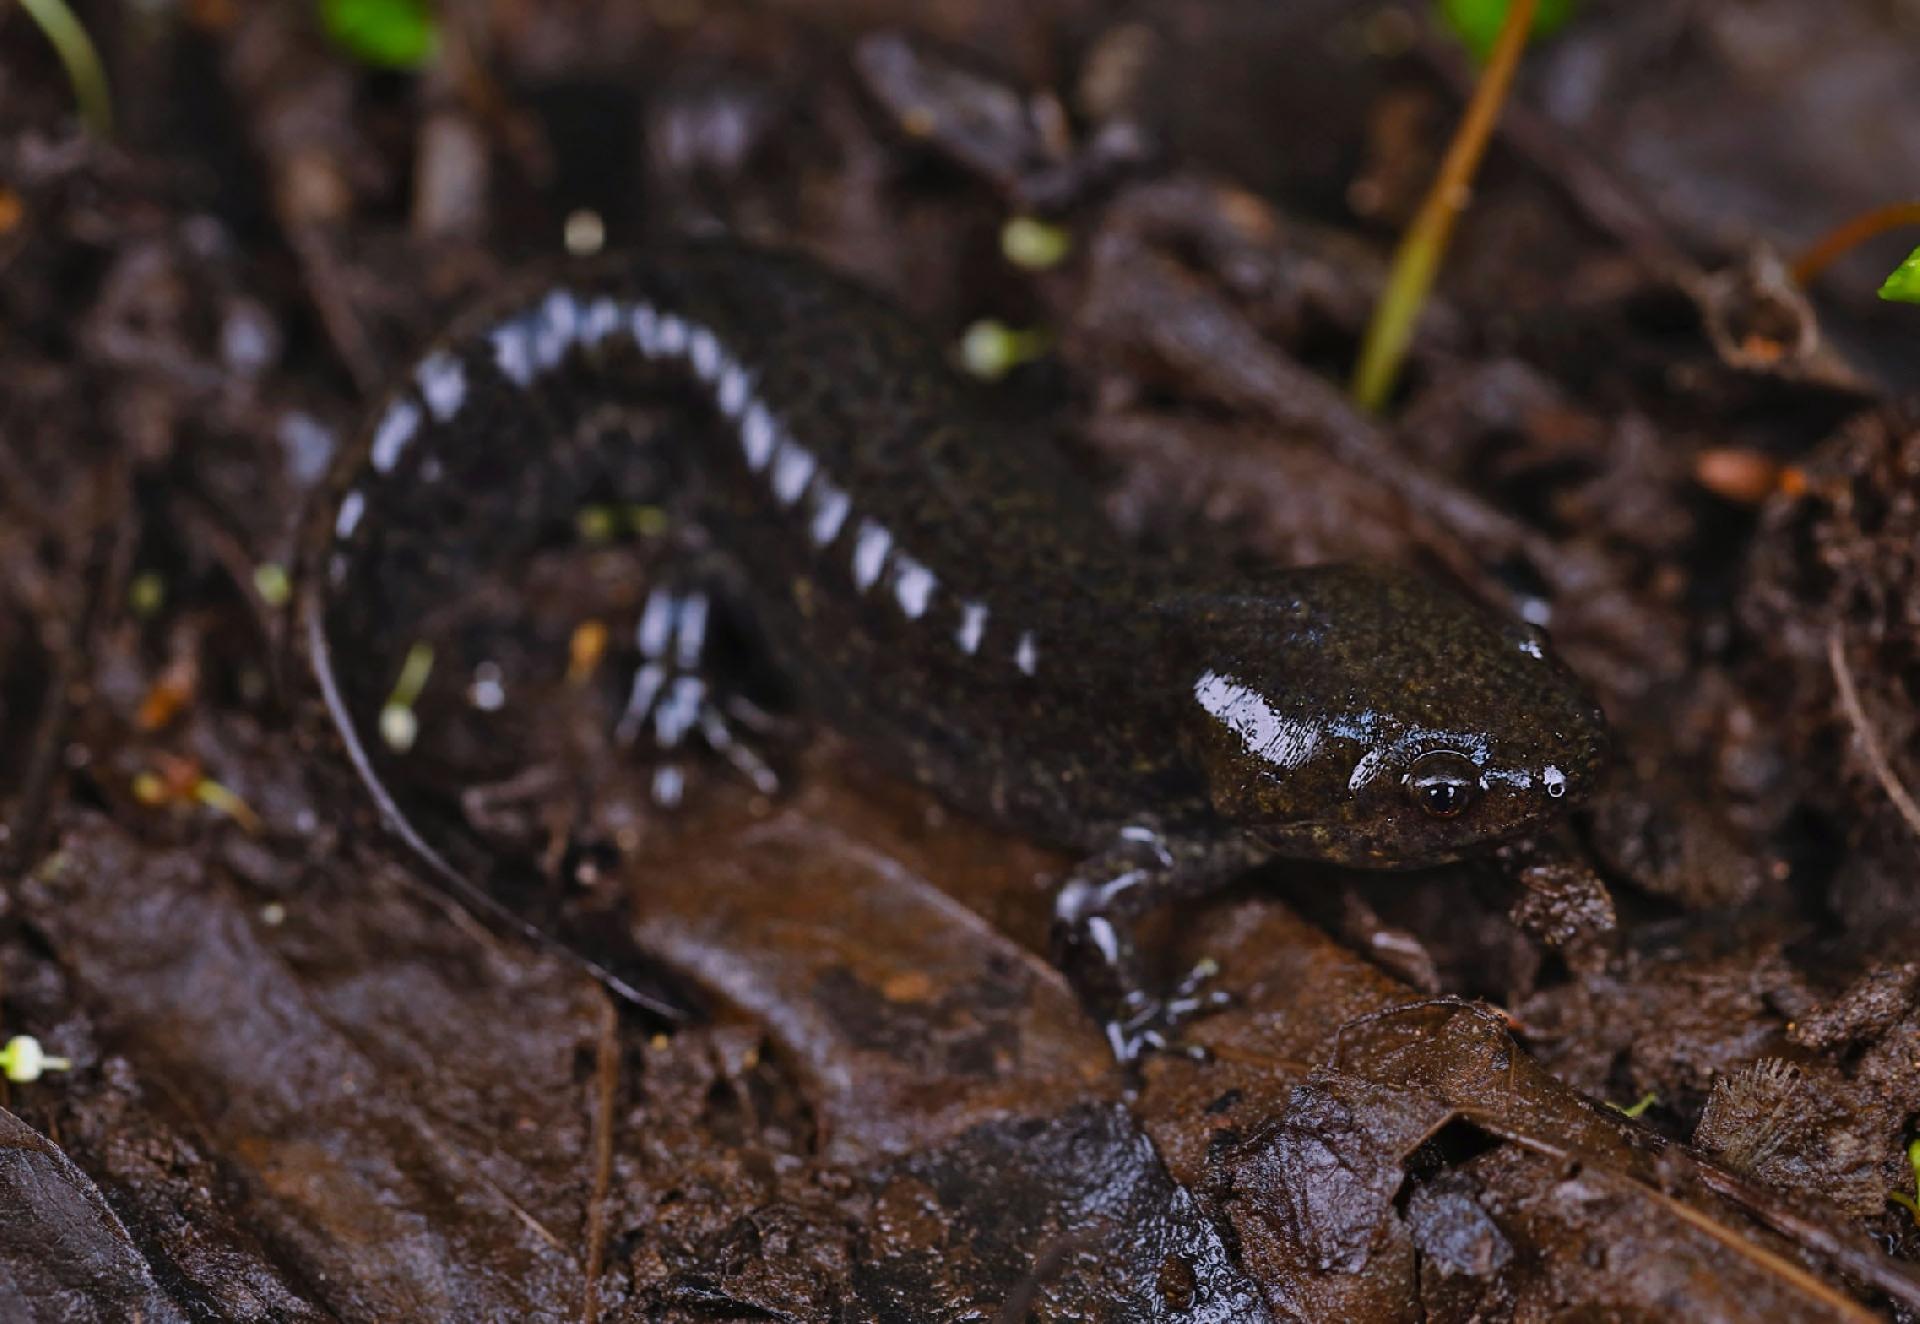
point(1368, 718)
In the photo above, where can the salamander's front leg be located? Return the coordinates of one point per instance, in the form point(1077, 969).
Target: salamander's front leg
point(1093, 920)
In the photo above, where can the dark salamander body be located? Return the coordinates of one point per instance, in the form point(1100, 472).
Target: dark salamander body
point(945, 592)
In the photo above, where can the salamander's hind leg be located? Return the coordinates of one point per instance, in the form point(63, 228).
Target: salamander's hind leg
point(1094, 915)
point(677, 701)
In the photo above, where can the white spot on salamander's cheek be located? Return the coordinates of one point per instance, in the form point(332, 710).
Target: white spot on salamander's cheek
point(830, 507)
point(396, 429)
point(913, 585)
point(973, 624)
point(1531, 647)
point(352, 507)
point(443, 384)
point(1265, 733)
point(869, 554)
point(1026, 655)
point(1554, 780)
point(1518, 778)
point(793, 467)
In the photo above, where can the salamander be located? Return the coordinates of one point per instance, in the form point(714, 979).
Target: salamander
point(943, 589)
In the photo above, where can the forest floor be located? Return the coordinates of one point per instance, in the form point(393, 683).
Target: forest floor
point(1662, 1065)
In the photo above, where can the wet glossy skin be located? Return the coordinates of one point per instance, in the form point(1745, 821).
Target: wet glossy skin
point(945, 591)
point(1371, 719)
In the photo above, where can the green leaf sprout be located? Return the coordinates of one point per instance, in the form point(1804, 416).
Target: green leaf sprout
point(1477, 22)
point(388, 34)
point(1903, 286)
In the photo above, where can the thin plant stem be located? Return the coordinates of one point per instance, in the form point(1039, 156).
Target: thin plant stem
point(1850, 234)
point(1425, 242)
point(1869, 742)
point(82, 62)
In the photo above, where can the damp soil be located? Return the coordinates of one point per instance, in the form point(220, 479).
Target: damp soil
point(1663, 1064)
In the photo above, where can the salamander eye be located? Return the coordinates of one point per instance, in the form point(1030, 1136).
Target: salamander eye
point(1443, 783)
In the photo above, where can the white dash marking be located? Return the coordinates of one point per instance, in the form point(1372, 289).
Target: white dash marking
point(973, 625)
point(792, 467)
point(352, 507)
point(704, 352)
point(1025, 655)
point(443, 384)
point(830, 507)
point(601, 321)
point(553, 333)
point(512, 352)
point(870, 554)
point(656, 623)
point(673, 334)
point(734, 386)
point(913, 585)
point(645, 323)
point(396, 429)
point(758, 436)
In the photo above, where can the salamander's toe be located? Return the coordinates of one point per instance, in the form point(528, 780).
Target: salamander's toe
point(1146, 1023)
point(673, 704)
